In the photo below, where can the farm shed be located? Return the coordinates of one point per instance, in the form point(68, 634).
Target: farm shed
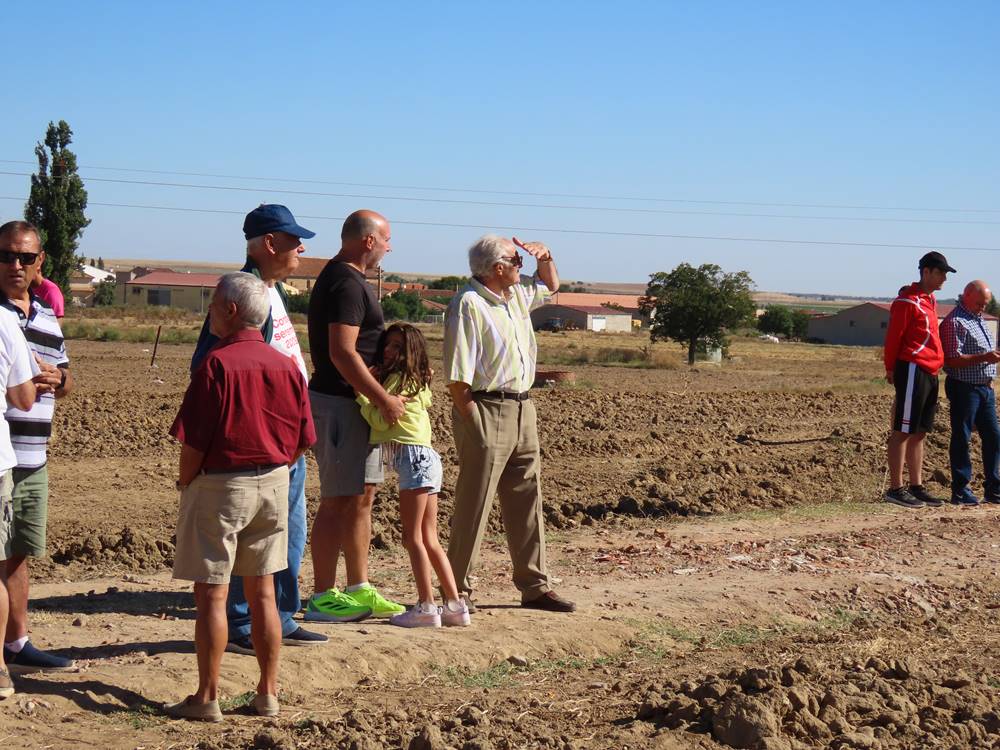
point(866, 324)
point(585, 317)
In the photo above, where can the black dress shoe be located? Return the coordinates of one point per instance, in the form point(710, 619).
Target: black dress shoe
point(550, 601)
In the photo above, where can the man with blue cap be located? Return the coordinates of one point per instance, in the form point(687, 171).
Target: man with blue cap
point(274, 243)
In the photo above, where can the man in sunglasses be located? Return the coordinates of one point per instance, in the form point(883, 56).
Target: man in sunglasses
point(489, 365)
point(20, 263)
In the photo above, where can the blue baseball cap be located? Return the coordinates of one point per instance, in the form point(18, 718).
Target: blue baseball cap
point(270, 217)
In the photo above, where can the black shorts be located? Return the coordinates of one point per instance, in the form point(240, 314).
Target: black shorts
point(916, 398)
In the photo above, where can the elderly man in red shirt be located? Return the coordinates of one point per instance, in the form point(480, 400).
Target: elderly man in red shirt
point(245, 418)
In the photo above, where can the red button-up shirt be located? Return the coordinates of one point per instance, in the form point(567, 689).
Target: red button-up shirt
point(246, 405)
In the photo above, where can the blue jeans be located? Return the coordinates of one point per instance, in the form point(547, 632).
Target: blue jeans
point(973, 405)
point(286, 582)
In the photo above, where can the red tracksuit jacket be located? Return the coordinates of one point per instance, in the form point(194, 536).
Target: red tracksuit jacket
point(913, 331)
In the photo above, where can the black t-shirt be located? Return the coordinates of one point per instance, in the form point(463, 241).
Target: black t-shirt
point(341, 295)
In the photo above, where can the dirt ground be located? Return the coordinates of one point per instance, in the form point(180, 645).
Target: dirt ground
point(737, 585)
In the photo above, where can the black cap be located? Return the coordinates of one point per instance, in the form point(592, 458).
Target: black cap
point(934, 259)
point(270, 217)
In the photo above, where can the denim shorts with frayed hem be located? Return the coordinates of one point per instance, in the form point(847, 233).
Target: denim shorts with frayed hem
point(418, 467)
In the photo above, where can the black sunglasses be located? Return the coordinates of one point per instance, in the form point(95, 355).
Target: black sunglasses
point(27, 259)
point(515, 260)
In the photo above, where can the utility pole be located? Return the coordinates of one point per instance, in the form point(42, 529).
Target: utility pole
point(380, 283)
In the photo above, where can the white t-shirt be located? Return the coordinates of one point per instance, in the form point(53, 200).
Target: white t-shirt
point(284, 338)
point(16, 366)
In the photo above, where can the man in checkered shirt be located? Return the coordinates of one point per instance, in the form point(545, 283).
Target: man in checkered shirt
point(970, 363)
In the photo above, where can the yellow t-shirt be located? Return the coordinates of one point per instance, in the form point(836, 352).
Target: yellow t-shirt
point(413, 428)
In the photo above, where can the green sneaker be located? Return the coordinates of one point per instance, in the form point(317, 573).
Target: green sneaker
point(380, 606)
point(335, 606)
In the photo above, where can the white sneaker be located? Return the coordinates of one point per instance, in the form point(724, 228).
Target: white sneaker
point(455, 614)
point(418, 616)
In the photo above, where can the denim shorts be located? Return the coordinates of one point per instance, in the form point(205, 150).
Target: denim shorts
point(418, 467)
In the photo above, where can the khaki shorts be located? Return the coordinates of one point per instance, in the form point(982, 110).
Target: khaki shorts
point(6, 514)
point(31, 510)
point(347, 462)
point(232, 524)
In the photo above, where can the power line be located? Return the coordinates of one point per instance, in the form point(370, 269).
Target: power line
point(456, 201)
point(581, 196)
point(557, 230)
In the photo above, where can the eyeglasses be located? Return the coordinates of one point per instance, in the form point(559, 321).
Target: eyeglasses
point(27, 259)
point(515, 260)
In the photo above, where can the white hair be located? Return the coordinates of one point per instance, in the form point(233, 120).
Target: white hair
point(486, 252)
point(249, 294)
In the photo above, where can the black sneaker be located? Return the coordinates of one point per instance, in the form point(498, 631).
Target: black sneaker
point(992, 497)
point(31, 659)
point(902, 497)
point(303, 637)
point(920, 492)
point(241, 646)
point(965, 498)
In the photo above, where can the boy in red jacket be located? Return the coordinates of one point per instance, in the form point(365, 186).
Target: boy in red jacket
point(913, 357)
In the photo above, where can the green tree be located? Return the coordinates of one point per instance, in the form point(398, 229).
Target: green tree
point(100, 263)
point(696, 305)
point(448, 282)
point(800, 324)
point(993, 307)
point(57, 202)
point(395, 278)
point(402, 306)
point(776, 319)
point(298, 303)
point(104, 294)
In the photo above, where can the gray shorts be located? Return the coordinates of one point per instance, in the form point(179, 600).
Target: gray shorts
point(347, 462)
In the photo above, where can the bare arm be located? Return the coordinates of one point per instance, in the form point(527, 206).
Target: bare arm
point(68, 385)
point(22, 396)
point(461, 396)
point(343, 340)
point(547, 272)
point(190, 464)
point(967, 360)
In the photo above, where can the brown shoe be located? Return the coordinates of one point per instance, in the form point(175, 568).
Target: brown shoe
point(550, 601)
point(6, 685)
point(194, 711)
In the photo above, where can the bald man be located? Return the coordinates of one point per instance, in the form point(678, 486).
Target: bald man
point(345, 322)
point(970, 363)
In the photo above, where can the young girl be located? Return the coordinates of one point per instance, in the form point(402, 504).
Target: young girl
point(402, 367)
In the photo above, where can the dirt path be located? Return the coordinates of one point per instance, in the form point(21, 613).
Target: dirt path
point(737, 587)
point(660, 604)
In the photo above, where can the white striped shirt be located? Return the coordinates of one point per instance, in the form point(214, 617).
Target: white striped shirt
point(30, 430)
point(489, 341)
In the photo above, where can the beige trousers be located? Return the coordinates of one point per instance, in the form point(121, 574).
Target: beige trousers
point(498, 454)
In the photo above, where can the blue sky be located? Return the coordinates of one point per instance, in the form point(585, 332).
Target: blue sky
point(706, 107)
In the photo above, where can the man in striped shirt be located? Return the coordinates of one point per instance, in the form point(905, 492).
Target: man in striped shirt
point(489, 364)
point(20, 251)
point(970, 363)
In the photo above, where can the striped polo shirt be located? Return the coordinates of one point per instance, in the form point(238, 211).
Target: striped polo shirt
point(489, 341)
point(30, 430)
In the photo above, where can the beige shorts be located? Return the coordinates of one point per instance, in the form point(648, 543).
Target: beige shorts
point(6, 514)
point(232, 524)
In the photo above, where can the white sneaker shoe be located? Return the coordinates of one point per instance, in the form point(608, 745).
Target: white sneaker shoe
point(455, 614)
point(418, 616)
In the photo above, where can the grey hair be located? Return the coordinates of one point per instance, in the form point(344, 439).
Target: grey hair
point(249, 294)
point(487, 251)
point(254, 243)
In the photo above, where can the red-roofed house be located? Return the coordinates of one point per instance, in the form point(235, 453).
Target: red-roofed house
point(866, 324)
point(190, 291)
